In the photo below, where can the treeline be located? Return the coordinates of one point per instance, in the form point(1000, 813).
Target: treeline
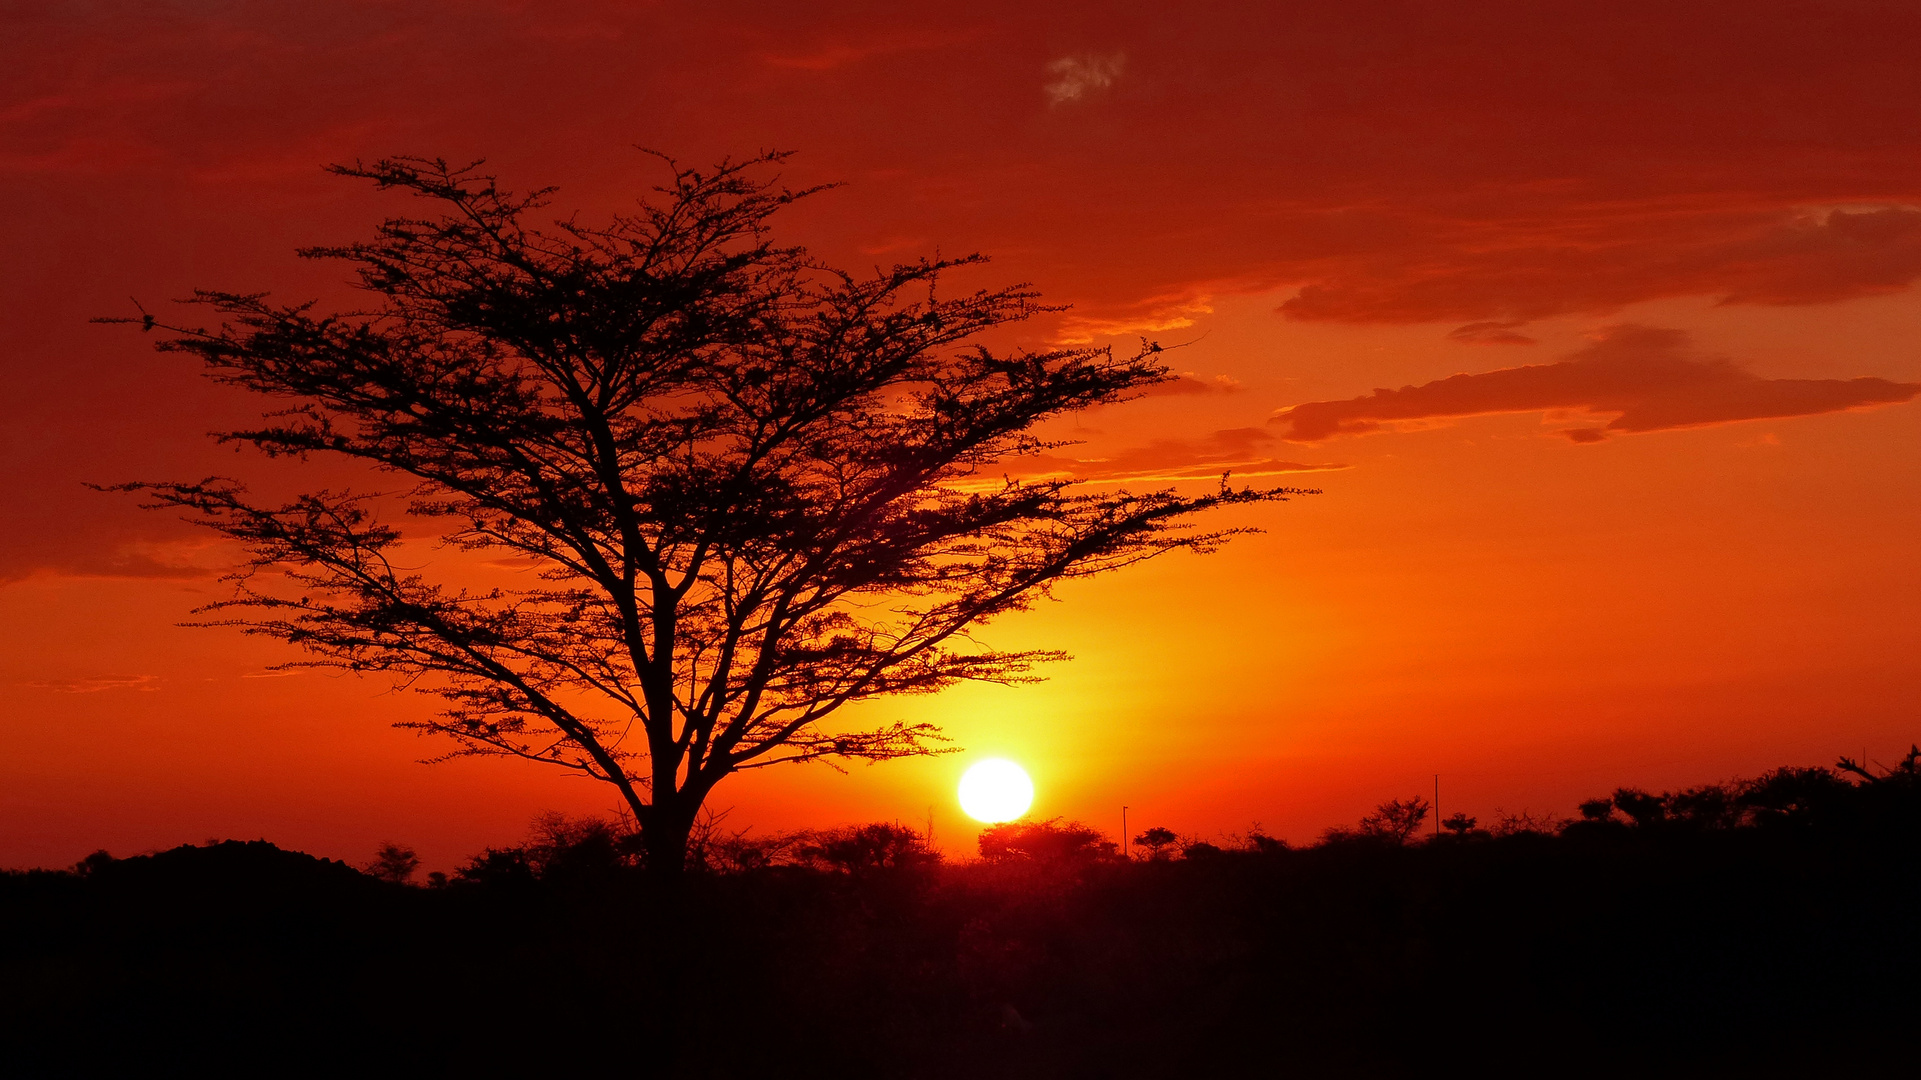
point(1762, 927)
point(1849, 797)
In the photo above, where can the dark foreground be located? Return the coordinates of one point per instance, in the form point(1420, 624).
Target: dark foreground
point(1697, 934)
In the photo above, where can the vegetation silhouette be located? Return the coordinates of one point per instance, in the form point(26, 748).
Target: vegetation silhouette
point(752, 488)
point(1158, 841)
point(1397, 821)
point(395, 863)
point(1758, 927)
point(1052, 842)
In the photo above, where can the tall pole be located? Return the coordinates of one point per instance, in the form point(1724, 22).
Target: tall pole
point(1437, 804)
point(1123, 832)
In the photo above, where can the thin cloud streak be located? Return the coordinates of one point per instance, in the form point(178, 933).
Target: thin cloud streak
point(1233, 451)
point(97, 683)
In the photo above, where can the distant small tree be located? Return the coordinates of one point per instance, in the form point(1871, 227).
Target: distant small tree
point(1598, 810)
point(1525, 822)
point(496, 867)
point(1159, 842)
point(583, 848)
point(1397, 820)
point(738, 489)
point(92, 864)
point(1709, 806)
point(1793, 794)
point(1053, 841)
point(866, 849)
point(395, 863)
point(1460, 824)
point(1259, 841)
point(1641, 808)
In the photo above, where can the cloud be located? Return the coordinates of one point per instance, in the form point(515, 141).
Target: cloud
point(1188, 383)
point(1077, 76)
point(97, 683)
point(1155, 314)
point(1490, 333)
point(1235, 450)
point(1502, 273)
point(83, 552)
point(1649, 377)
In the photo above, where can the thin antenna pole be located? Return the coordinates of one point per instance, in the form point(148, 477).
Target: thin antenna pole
point(1437, 804)
point(1123, 832)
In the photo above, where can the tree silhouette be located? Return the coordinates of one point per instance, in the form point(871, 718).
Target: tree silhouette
point(395, 863)
point(1396, 821)
point(748, 488)
point(867, 848)
point(1051, 842)
point(1158, 842)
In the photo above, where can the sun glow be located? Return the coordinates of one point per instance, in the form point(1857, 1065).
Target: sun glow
point(996, 790)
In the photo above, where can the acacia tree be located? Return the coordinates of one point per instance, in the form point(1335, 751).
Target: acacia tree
point(751, 489)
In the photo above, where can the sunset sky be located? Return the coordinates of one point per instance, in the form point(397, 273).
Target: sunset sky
point(1593, 322)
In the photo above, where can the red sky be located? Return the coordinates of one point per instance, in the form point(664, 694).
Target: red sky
point(1595, 322)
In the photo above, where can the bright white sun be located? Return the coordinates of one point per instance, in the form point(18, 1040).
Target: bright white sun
point(996, 790)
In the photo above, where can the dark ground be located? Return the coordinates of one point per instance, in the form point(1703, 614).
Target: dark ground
point(1760, 942)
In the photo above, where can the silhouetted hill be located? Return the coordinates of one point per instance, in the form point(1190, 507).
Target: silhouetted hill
point(1765, 928)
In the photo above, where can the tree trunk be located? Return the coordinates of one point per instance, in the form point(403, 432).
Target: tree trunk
point(663, 840)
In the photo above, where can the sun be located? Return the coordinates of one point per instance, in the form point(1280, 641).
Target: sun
point(996, 790)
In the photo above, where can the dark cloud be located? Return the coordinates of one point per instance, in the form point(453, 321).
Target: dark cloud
point(1503, 273)
point(1490, 333)
point(1649, 377)
point(1396, 162)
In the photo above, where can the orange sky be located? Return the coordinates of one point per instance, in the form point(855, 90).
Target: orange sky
point(1636, 502)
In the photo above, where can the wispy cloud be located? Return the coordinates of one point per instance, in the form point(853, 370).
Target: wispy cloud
point(1650, 377)
point(96, 683)
point(1188, 383)
point(1075, 77)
